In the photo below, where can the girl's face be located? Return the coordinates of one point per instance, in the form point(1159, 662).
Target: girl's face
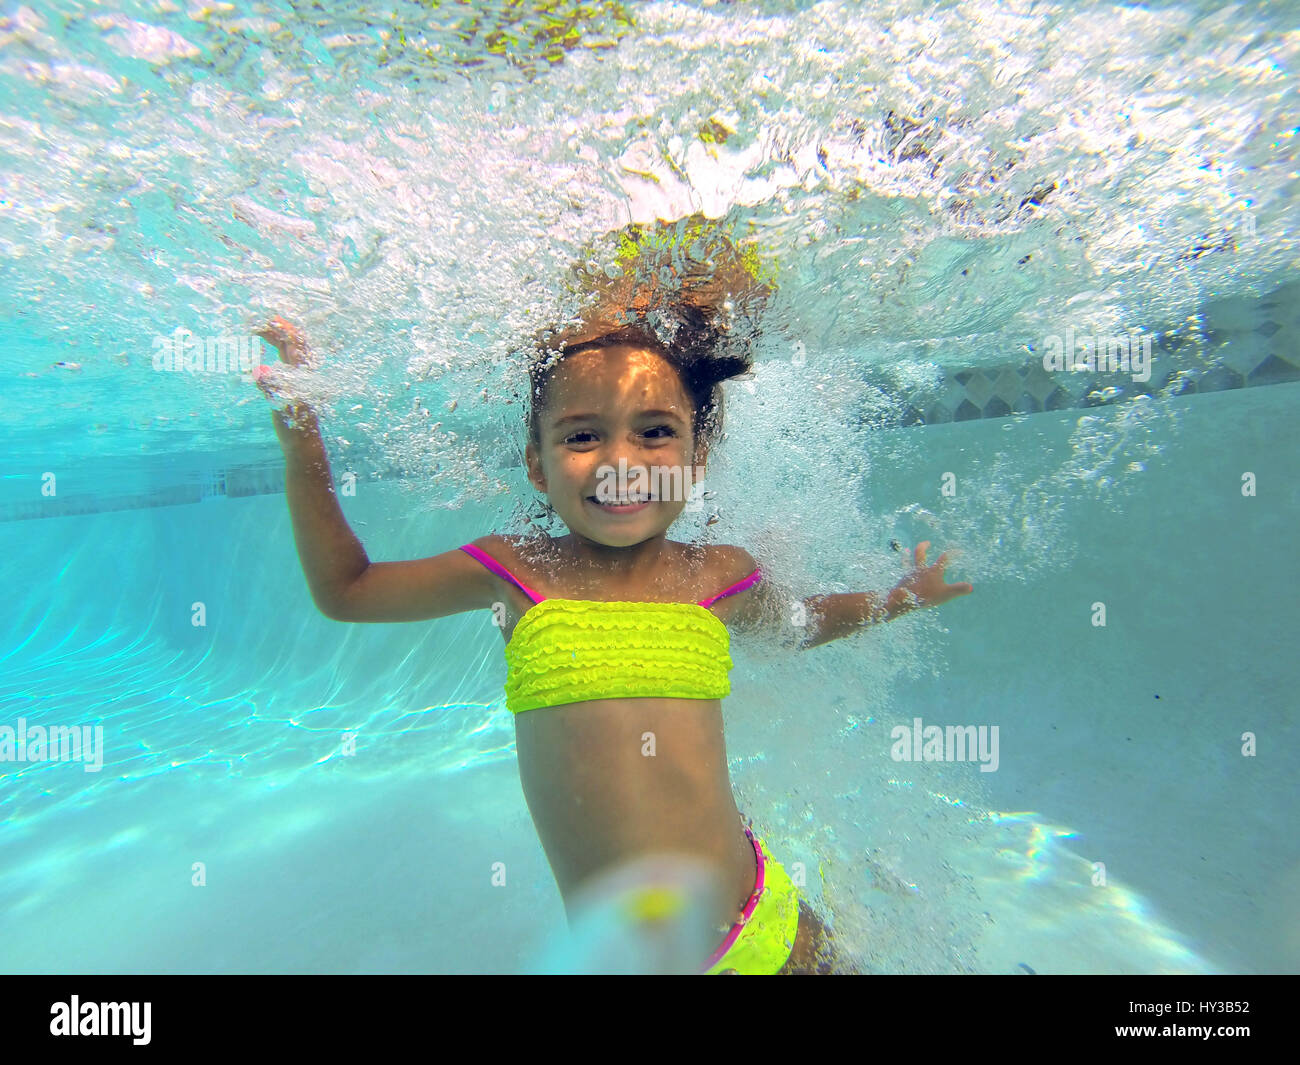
point(605, 405)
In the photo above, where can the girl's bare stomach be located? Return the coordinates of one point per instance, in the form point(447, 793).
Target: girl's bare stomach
point(614, 780)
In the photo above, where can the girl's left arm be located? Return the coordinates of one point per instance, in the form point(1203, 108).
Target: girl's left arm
point(822, 618)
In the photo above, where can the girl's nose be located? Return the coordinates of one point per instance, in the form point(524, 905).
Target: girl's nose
point(629, 451)
point(621, 455)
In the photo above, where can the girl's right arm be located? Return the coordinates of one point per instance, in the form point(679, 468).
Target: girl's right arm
point(345, 585)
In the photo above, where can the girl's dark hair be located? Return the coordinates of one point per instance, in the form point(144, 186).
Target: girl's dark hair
point(695, 351)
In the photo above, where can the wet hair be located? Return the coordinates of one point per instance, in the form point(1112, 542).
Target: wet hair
point(696, 351)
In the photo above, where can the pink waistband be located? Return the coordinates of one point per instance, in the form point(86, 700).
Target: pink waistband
point(747, 912)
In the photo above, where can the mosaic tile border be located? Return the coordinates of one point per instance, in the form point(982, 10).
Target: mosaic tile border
point(1243, 344)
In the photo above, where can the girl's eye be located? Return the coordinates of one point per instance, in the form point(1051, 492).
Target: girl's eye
point(655, 432)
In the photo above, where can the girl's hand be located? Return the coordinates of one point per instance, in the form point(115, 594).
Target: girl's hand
point(924, 586)
point(288, 340)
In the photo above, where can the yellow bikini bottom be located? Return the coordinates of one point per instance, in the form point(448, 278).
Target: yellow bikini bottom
point(759, 944)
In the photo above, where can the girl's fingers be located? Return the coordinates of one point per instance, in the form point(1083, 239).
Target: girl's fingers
point(273, 332)
point(287, 330)
point(264, 377)
point(285, 338)
point(921, 549)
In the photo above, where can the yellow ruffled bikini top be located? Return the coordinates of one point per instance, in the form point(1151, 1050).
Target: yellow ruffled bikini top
point(572, 650)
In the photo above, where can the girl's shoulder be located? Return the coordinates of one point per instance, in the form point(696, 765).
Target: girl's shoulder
point(732, 556)
point(724, 564)
point(514, 545)
point(528, 553)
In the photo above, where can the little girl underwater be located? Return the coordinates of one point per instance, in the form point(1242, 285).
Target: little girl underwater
point(614, 633)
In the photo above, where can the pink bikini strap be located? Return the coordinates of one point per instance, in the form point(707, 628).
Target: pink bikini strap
point(760, 878)
point(500, 570)
point(739, 586)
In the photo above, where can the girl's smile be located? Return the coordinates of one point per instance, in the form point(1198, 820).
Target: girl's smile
point(618, 509)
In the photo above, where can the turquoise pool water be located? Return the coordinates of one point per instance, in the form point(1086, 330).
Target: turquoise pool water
point(940, 190)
